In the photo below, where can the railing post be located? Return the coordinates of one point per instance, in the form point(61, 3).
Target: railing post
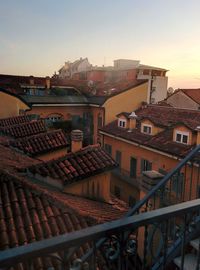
point(183, 242)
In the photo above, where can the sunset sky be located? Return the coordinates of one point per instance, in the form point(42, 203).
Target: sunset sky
point(37, 37)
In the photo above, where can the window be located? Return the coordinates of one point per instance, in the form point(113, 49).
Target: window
point(182, 137)
point(122, 123)
point(117, 192)
point(118, 157)
point(131, 201)
point(146, 129)
point(145, 165)
point(177, 183)
point(108, 149)
point(99, 121)
point(54, 118)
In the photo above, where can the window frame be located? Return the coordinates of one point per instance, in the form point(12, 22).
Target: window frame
point(120, 120)
point(148, 126)
point(182, 134)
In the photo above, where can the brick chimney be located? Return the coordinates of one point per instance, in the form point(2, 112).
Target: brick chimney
point(198, 134)
point(132, 121)
point(31, 80)
point(48, 82)
point(76, 140)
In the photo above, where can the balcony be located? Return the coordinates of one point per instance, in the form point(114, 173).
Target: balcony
point(149, 236)
point(148, 240)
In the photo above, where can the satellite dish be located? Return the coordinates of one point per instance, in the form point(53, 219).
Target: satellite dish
point(170, 90)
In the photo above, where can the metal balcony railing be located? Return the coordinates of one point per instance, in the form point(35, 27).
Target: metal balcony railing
point(150, 236)
point(179, 185)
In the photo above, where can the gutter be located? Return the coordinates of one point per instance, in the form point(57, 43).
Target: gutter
point(140, 145)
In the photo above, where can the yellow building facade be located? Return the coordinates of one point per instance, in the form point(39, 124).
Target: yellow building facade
point(11, 105)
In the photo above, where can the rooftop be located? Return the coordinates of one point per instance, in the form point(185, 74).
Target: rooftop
point(41, 143)
point(194, 94)
point(73, 167)
point(24, 129)
point(16, 120)
point(167, 118)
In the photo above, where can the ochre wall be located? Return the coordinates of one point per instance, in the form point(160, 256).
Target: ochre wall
point(96, 111)
point(65, 111)
point(126, 189)
point(158, 160)
point(68, 112)
point(90, 186)
point(155, 129)
point(10, 105)
point(126, 101)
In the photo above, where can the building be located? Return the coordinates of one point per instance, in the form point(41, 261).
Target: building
point(126, 70)
point(83, 172)
point(153, 138)
point(31, 137)
point(184, 99)
point(157, 87)
point(69, 69)
point(88, 113)
point(11, 104)
point(31, 212)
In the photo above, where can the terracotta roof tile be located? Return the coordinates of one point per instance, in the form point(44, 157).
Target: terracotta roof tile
point(24, 129)
point(19, 228)
point(88, 161)
point(193, 94)
point(41, 143)
point(168, 116)
point(11, 121)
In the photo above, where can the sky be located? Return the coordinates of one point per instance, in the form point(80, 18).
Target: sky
point(38, 36)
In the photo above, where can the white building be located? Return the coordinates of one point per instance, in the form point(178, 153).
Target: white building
point(69, 68)
point(157, 89)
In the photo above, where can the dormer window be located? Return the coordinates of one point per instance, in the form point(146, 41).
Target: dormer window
point(147, 129)
point(182, 137)
point(122, 123)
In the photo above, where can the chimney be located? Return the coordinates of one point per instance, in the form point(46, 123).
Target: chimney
point(198, 134)
point(132, 121)
point(48, 82)
point(76, 140)
point(31, 80)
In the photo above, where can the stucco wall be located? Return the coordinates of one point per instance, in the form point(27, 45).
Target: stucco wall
point(180, 100)
point(97, 187)
point(158, 160)
point(126, 101)
point(10, 105)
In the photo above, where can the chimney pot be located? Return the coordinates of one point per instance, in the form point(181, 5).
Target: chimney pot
point(76, 140)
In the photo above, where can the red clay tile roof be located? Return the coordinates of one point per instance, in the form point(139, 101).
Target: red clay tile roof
point(160, 116)
point(41, 143)
point(13, 163)
point(28, 216)
point(16, 120)
point(30, 212)
point(89, 161)
point(24, 129)
point(168, 116)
